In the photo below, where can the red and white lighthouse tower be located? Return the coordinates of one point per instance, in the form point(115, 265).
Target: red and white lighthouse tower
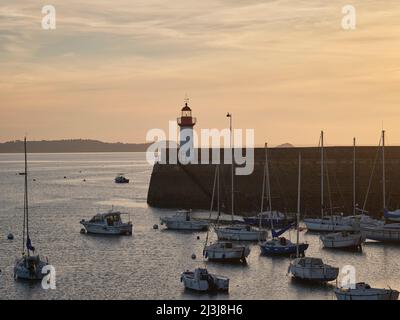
point(186, 123)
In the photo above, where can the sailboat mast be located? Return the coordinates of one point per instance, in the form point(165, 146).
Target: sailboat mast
point(232, 166)
point(263, 188)
point(26, 195)
point(354, 176)
point(298, 207)
point(268, 180)
point(322, 174)
point(383, 170)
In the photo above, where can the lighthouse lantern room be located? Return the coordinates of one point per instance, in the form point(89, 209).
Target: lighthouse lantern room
point(186, 123)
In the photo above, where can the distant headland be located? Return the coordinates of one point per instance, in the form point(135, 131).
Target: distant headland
point(71, 146)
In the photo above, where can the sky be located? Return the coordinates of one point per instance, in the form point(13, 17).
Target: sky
point(112, 70)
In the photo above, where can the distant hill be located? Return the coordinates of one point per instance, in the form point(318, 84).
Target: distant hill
point(66, 146)
point(285, 145)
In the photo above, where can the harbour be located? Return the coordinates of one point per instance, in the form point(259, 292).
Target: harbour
point(148, 264)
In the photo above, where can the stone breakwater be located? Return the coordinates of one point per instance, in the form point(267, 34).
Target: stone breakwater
point(190, 186)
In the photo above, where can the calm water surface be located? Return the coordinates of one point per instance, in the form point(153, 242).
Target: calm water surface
point(148, 264)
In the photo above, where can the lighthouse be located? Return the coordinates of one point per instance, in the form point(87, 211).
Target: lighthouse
point(186, 123)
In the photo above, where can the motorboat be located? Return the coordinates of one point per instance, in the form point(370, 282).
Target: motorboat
point(269, 219)
point(241, 233)
point(108, 223)
point(30, 265)
point(344, 239)
point(183, 220)
point(363, 291)
point(121, 179)
point(312, 269)
point(226, 251)
point(201, 280)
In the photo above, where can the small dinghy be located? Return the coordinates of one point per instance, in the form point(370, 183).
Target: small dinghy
point(108, 223)
point(29, 266)
point(363, 291)
point(121, 179)
point(201, 280)
point(343, 239)
point(182, 220)
point(226, 251)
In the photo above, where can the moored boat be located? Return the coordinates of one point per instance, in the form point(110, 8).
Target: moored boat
point(226, 251)
point(269, 219)
point(109, 223)
point(363, 291)
point(183, 220)
point(201, 280)
point(241, 233)
point(344, 239)
point(29, 266)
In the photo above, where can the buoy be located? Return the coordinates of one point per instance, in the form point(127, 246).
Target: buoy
point(198, 237)
point(193, 256)
point(155, 227)
point(84, 180)
point(34, 179)
point(10, 236)
point(83, 231)
point(65, 177)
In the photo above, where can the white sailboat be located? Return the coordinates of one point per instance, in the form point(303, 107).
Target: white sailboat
point(29, 266)
point(380, 231)
point(327, 223)
point(346, 239)
point(363, 291)
point(308, 268)
point(223, 251)
point(238, 232)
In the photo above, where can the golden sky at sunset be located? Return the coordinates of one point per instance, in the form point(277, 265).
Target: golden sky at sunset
point(114, 69)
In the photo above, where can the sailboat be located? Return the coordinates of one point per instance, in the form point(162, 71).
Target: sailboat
point(327, 223)
point(29, 266)
point(223, 251)
point(308, 268)
point(238, 232)
point(277, 245)
point(346, 239)
point(389, 232)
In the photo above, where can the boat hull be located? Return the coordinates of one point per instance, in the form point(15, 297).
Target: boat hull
point(213, 283)
point(186, 225)
point(319, 273)
point(315, 225)
point(22, 270)
point(125, 229)
point(375, 294)
point(381, 234)
point(283, 250)
point(226, 255)
point(352, 241)
point(241, 235)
